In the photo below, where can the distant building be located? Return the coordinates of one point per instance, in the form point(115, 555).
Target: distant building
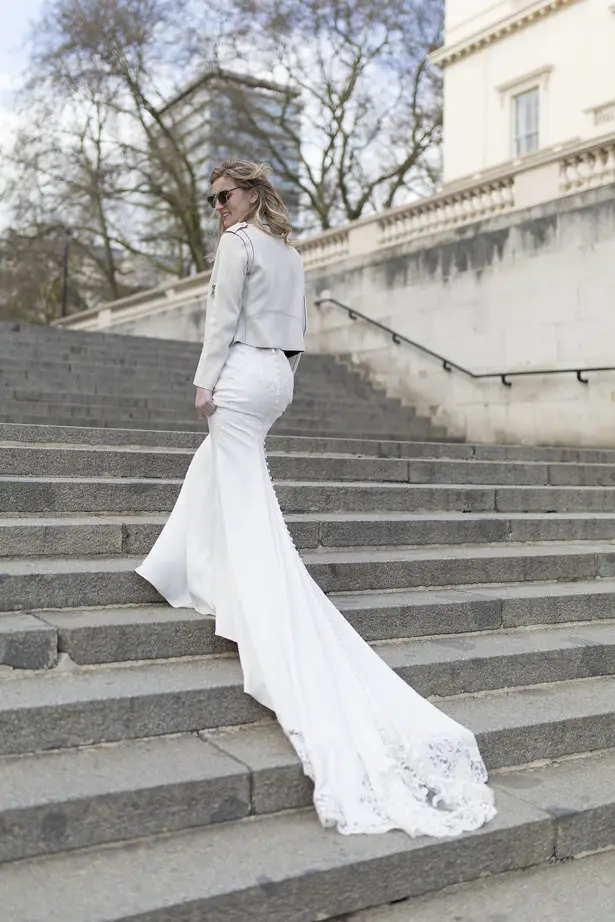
point(223, 115)
point(523, 77)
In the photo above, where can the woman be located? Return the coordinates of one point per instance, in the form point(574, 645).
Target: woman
point(380, 756)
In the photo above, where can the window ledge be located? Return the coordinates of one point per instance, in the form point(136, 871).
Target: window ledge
point(539, 77)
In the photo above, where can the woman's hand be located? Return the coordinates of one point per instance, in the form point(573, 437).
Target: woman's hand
point(204, 402)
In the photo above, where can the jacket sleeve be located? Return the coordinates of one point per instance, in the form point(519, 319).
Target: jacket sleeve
point(295, 359)
point(223, 308)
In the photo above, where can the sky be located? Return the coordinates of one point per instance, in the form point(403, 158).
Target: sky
point(15, 18)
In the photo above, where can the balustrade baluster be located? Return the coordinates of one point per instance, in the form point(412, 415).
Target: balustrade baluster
point(564, 175)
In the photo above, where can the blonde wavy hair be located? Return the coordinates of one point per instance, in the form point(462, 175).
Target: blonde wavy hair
point(269, 211)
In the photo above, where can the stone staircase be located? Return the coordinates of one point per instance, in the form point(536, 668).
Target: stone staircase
point(138, 782)
point(90, 379)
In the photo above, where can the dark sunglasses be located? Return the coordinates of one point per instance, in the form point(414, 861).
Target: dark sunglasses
point(221, 197)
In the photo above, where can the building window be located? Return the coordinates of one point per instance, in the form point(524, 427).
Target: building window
point(526, 113)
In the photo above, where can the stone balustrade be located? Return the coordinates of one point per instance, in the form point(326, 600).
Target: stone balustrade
point(328, 247)
point(440, 212)
point(587, 169)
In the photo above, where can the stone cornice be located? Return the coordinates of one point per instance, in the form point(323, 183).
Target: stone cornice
point(448, 54)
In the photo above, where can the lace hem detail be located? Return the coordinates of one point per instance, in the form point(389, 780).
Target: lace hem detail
point(441, 793)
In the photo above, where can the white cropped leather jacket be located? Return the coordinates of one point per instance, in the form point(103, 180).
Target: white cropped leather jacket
point(256, 296)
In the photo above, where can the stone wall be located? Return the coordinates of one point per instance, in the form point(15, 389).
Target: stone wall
point(185, 322)
point(530, 290)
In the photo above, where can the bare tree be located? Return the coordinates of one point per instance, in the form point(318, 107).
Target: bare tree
point(65, 175)
point(111, 161)
point(33, 280)
point(371, 100)
point(341, 99)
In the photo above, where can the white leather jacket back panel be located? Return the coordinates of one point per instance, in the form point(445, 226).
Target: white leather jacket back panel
point(256, 296)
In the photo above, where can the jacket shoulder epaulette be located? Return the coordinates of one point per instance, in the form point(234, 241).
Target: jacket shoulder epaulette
point(240, 230)
point(236, 228)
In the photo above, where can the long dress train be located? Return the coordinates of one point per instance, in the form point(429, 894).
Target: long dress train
point(381, 756)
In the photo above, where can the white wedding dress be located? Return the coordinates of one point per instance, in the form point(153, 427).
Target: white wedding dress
point(381, 757)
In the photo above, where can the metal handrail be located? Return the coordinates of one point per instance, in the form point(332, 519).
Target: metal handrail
point(449, 366)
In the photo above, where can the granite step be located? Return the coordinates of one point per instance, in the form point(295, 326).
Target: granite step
point(153, 367)
point(25, 495)
point(161, 399)
point(308, 386)
point(77, 387)
point(129, 348)
point(418, 429)
point(561, 889)
point(157, 631)
point(82, 797)
point(48, 582)
point(27, 642)
point(19, 433)
point(161, 463)
point(12, 332)
point(107, 535)
point(287, 867)
point(19, 495)
point(357, 413)
point(22, 355)
point(567, 708)
point(66, 461)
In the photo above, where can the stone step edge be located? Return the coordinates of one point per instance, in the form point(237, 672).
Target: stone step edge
point(40, 432)
point(146, 451)
point(379, 421)
point(346, 484)
point(113, 536)
point(518, 722)
point(75, 519)
point(285, 427)
point(363, 599)
point(402, 651)
point(34, 640)
point(309, 525)
point(547, 467)
point(351, 555)
point(70, 582)
point(198, 779)
point(575, 890)
point(224, 871)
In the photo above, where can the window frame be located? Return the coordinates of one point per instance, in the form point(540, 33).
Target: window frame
point(539, 79)
point(525, 140)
